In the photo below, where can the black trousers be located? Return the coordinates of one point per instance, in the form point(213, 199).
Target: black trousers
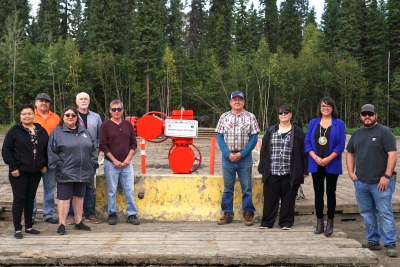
point(24, 189)
point(275, 188)
point(331, 182)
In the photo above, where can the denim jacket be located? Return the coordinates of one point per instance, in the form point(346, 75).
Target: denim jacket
point(94, 123)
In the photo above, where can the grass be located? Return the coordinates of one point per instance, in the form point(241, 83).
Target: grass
point(4, 128)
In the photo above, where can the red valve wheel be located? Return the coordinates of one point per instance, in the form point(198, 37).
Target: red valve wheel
point(160, 113)
point(198, 159)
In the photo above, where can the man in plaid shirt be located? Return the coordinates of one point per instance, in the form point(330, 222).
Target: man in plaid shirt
point(237, 136)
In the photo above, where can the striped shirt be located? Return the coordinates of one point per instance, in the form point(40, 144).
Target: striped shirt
point(281, 154)
point(237, 129)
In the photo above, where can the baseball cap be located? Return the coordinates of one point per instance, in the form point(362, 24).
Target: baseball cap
point(237, 93)
point(43, 96)
point(368, 107)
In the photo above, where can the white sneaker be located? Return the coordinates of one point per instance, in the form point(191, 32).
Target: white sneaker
point(285, 228)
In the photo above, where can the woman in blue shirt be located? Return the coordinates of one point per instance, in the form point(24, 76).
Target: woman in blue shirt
point(324, 143)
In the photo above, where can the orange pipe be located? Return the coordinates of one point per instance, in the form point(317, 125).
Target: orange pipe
point(142, 156)
point(259, 144)
point(212, 156)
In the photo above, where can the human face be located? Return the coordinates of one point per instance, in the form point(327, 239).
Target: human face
point(27, 116)
point(237, 104)
point(70, 118)
point(116, 114)
point(42, 105)
point(284, 117)
point(368, 119)
point(83, 101)
point(326, 109)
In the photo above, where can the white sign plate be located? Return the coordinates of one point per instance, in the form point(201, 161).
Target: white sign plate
point(181, 128)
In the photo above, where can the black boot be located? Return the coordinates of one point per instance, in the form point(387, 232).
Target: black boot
point(329, 227)
point(320, 226)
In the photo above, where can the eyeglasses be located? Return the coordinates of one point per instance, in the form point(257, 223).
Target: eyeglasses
point(326, 106)
point(70, 115)
point(27, 114)
point(237, 100)
point(115, 109)
point(367, 113)
point(286, 112)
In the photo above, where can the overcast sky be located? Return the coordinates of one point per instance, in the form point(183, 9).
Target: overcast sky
point(318, 4)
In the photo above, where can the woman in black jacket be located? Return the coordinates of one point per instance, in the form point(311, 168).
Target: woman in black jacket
point(72, 152)
point(283, 165)
point(25, 152)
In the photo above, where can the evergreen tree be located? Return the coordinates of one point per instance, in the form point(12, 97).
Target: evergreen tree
point(127, 11)
point(196, 24)
point(104, 25)
point(64, 28)
point(254, 28)
point(49, 19)
point(220, 28)
point(78, 25)
point(331, 26)
point(242, 34)
point(311, 17)
point(8, 6)
point(393, 24)
point(147, 39)
point(375, 44)
point(270, 23)
point(175, 24)
point(290, 27)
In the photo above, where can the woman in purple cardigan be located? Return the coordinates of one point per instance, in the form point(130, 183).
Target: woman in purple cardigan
point(324, 144)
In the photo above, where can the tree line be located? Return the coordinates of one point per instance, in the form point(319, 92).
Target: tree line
point(153, 56)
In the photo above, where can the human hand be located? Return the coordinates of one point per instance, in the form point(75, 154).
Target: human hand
point(238, 156)
point(383, 184)
point(126, 162)
point(117, 164)
point(44, 169)
point(318, 160)
point(98, 150)
point(15, 173)
point(324, 162)
point(353, 176)
point(305, 175)
point(232, 157)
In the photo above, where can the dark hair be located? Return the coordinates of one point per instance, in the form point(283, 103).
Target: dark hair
point(65, 110)
point(24, 106)
point(285, 108)
point(331, 103)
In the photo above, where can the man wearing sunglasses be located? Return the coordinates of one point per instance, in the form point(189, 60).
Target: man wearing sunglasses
point(118, 142)
point(372, 151)
point(48, 120)
point(237, 136)
point(92, 122)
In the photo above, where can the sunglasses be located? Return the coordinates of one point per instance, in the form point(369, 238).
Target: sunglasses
point(283, 112)
point(369, 114)
point(70, 115)
point(115, 109)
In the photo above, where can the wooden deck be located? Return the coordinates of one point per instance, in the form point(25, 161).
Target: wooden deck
point(183, 244)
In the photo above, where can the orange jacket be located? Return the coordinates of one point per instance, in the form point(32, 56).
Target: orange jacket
point(52, 120)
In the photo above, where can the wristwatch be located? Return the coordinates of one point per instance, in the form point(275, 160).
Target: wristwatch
point(387, 176)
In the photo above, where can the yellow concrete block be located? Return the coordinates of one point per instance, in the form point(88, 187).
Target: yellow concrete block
point(177, 198)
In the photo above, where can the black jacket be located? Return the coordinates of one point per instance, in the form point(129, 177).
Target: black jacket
point(299, 160)
point(17, 149)
point(74, 156)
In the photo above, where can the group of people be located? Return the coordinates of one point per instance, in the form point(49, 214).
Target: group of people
point(287, 157)
point(64, 152)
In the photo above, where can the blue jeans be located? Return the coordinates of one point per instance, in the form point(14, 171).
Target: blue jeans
point(49, 187)
point(88, 208)
point(125, 175)
point(243, 168)
point(370, 200)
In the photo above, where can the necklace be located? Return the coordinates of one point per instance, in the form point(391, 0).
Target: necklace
point(322, 139)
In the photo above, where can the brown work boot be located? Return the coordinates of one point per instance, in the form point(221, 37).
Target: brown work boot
point(93, 219)
point(226, 218)
point(248, 218)
point(70, 220)
point(329, 227)
point(320, 226)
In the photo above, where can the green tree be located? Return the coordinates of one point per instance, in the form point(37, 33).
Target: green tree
point(242, 33)
point(196, 23)
point(8, 6)
point(331, 26)
point(270, 22)
point(290, 29)
point(78, 25)
point(147, 39)
point(393, 33)
point(49, 16)
point(311, 17)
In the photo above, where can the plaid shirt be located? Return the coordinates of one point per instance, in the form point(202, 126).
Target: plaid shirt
point(237, 129)
point(280, 154)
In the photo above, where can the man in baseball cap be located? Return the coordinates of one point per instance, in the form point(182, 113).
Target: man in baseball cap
point(372, 152)
point(48, 120)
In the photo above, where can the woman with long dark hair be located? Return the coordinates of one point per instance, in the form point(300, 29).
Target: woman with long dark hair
point(72, 152)
point(283, 165)
point(325, 142)
point(25, 152)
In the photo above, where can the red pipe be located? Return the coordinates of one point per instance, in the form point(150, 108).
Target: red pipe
point(212, 156)
point(142, 155)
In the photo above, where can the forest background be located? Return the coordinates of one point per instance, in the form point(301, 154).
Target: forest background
point(152, 55)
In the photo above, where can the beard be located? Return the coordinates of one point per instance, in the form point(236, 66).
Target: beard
point(370, 122)
point(84, 106)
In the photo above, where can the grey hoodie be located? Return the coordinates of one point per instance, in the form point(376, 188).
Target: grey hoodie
point(73, 156)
